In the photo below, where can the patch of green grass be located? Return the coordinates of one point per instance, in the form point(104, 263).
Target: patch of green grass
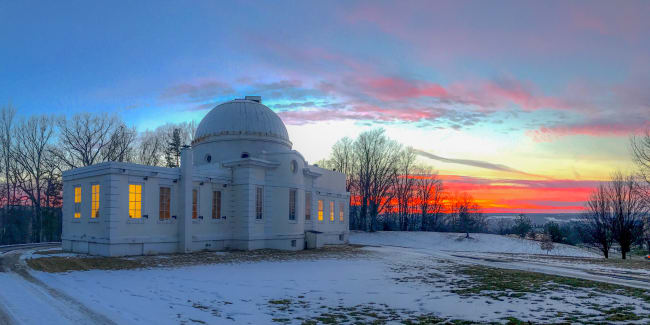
point(514, 321)
point(497, 283)
point(55, 264)
point(280, 302)
point(620, 314)
point(281, 320)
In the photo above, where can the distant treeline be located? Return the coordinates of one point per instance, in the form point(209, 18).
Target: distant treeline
point(15, 222)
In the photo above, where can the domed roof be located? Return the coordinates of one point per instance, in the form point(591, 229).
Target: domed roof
point(242, 118)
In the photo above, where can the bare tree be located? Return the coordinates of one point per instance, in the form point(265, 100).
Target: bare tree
point(641, 156)
point(120, 144)
point(376, 157)
point(149, 150)
point(404, 186)
point(31, 152)
point(646, 232)
point(342, 160)
point(628, 208)
point(466, 215)
point(546, 243)
point(188, 129)
point(429, 196)
point(83, 137)
point(7, 115)
point(598, 220)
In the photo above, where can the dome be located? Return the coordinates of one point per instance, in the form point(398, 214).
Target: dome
point(242, 119)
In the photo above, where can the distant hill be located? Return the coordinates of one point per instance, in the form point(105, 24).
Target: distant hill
point(536, 218)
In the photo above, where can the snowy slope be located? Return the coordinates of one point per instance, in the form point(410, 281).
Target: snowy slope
point(486, 243)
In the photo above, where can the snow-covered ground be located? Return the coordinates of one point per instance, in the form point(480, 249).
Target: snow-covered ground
point(487, 243)
point(404, 274)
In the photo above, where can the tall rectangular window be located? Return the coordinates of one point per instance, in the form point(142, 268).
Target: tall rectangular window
point(135, 201)
point(331, 210)
point(292, 204)
point(94, 212)
point(195, 204)
point(77, 202)
point(341, 211)
point(307, 205)
point(320, 210)
point(216, 204)
point(259, 192)
point(165, 203)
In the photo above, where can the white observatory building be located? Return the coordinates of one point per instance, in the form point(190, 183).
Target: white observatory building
point(239, 186)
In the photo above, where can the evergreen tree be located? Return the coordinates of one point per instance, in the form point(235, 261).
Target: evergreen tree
point(173, 150)
point(523, 225)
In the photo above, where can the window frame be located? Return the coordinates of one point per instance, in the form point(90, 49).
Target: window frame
point(293, 193)
point(94, 200)
point(331, 211)
point(195, 204)
point(259, 203)
point(76, 214)
point(341, 211)
point(216, 204)
point(320, 210)
point(307, 206)
point(161, 215)
point(141, 187)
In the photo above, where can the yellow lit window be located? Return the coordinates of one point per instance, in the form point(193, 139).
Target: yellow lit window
point(164, 200)
point(95, 201)
point(135, 201)
point(195, 203)
point(77, 202)
point(341, 209)
point(320, 210)
point(331, 210)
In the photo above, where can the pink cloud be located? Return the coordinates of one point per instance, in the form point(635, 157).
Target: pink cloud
point(361, 112)
point(550, 133)
point(386, 88)
point(484, 94)
point(496, 94)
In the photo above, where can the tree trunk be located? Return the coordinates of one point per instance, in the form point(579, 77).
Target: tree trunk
point(39, 213)
point(28, 235)
point(363, 214)
point(605, 252)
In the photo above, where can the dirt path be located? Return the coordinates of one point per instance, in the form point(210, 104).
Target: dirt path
point(35, 301)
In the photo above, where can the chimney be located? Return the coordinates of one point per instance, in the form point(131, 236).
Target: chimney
point(254, 98)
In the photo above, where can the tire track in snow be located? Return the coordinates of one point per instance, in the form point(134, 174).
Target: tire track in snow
point(67, 307)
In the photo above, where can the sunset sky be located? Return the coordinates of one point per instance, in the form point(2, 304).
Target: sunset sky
point(524, 104)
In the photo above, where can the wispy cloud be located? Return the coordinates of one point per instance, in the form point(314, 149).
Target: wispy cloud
point(196, 92)
point(478, 163)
